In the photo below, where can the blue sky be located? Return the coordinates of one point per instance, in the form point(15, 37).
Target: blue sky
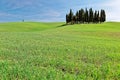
point(53, 10)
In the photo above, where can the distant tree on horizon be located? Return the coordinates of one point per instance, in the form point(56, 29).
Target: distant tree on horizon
point(23, 20)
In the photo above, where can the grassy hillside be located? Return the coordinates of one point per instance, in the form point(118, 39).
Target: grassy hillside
point(26, 26)
point(49, 51)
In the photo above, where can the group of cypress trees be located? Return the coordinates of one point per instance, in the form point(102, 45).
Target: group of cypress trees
point(86, 16)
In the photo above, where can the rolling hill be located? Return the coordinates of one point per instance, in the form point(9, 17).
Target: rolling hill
point(50, 51)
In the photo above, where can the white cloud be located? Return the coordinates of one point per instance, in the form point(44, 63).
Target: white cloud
point(5, 14)
point(16, 4)
point(112, 10)
point(52, 13)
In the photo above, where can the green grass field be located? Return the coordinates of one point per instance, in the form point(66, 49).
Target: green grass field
point(49, 51)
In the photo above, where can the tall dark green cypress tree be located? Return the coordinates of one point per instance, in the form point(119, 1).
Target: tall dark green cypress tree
point(71, 16)
point(101, 16)
point(77, 17)
point(95, 17)
point(98, 17)
point(67, 19)
point(90, 15)
point(86, 16)
point(104, 16)
point(81, 15)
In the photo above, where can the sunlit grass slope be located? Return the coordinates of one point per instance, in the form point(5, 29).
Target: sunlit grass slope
point(26, 26)
point(49, 51)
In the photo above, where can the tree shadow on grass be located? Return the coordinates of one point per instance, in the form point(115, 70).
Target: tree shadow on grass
point(62, 25)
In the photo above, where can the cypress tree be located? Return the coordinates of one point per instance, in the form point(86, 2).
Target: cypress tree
point(98, 17)
point(95, 17)
point(104, 16)
point(90, 15)
point(71, 16)
point(67, 19)
point(86, 15)
point(81, 15)
point(77, 17)
point(101, 16)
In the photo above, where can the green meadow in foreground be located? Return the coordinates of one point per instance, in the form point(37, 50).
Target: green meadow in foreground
point(50, 51)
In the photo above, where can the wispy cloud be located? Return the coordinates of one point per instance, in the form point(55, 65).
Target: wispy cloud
point(16, 4)
point(53, 10)
point(111, 7)
point(47, 16)
point(113, 10)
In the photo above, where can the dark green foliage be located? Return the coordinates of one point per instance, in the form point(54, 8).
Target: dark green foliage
point(81, 16)
point(90, 15)
point(69, 17)
point(74, 19)
point(77, 17)
point(95, 18)
point(98, 17)
point(86, 16)
point(102, 16)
